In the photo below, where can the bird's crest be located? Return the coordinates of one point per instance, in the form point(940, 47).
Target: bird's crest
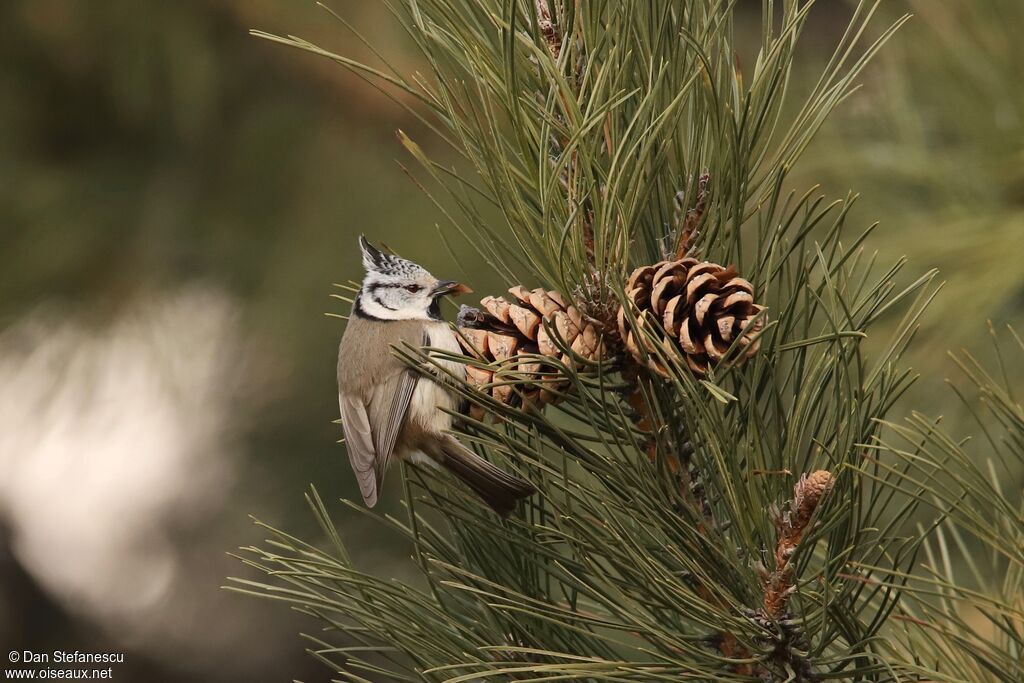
point(374, 260)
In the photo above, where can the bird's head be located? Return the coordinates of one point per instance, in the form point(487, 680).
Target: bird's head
point(398, 289)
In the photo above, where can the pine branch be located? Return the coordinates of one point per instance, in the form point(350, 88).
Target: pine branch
point(576, 124)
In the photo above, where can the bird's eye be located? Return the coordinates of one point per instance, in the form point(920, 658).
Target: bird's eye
point(413, 288)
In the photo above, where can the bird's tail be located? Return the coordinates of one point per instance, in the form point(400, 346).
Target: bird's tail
point(497, 488)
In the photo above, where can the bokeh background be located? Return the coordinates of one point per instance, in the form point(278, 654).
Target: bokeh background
point(176, 199)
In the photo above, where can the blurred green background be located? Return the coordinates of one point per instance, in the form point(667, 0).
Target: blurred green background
point(176, 199)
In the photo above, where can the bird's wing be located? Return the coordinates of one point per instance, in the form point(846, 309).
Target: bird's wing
point(394, 395)
point(373, 424)
point(359, 443)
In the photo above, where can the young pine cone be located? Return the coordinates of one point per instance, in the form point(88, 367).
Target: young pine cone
point(510, 336)
point(703, 307)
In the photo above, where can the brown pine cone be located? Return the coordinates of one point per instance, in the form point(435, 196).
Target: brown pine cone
point(703, 309)
point(509, 335)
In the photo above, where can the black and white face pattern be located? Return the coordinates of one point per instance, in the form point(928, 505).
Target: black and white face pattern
point(396, 289)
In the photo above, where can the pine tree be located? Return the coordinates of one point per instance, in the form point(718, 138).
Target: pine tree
point(678, 369)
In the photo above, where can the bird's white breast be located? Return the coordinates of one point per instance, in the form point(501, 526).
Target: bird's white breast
point(431, 398)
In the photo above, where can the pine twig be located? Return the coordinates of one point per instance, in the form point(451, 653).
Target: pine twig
point(686, 222)
point(807, 494)
point(693, 493)
point(679, 463)
point(549, 29)
point(551, 32)
point(780, 583)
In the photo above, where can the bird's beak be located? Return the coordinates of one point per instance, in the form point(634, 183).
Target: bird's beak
point(450, 287)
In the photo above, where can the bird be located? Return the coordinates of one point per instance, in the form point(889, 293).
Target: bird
point(390, 410)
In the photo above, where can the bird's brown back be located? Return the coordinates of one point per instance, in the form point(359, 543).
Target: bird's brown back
point(365, 358)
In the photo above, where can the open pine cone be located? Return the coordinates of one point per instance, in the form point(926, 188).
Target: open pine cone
point(509, 336)
point(703, 308)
